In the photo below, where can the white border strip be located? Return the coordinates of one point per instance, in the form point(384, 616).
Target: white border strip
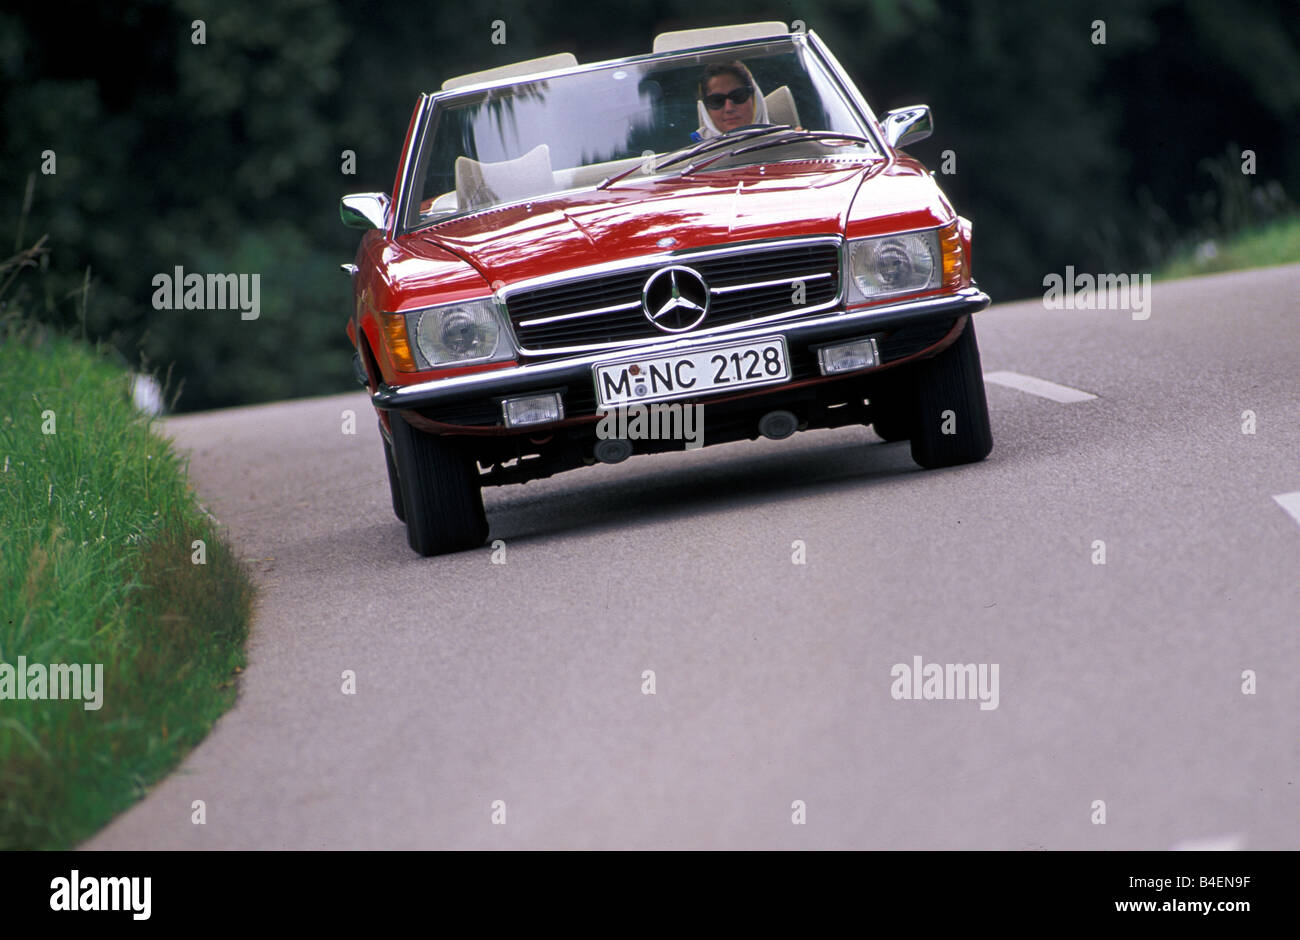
point(1231, 843)
point(1040, 387)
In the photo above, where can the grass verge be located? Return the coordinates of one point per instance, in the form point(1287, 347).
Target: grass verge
point(1277, 243)
point(98, 566)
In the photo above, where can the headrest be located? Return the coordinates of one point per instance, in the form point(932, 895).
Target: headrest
point(546, 63)
point(780, 107)
point(482, 184)
point(712, 35)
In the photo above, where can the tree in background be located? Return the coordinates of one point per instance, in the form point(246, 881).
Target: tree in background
point(228, 154)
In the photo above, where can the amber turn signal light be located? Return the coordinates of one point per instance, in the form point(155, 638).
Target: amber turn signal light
point(399, 347)
point(954, 257)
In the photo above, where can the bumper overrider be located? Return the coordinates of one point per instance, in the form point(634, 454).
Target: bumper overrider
point(471, 404)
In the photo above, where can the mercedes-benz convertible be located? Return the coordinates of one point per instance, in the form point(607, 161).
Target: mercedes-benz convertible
point(712, 242)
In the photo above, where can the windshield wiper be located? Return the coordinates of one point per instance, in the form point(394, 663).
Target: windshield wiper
point(789, 138)
point(794, 136)
point(677, 156)
point(724, 140)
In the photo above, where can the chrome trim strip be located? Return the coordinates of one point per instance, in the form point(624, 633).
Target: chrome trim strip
point(440, 95)
point(680, 255)
point(707, 332)
point(849, 88)
point(683, 256)
point(416, 147)
point(710, 333)
point(754, 285)
point(541, 321)
point(393, 397)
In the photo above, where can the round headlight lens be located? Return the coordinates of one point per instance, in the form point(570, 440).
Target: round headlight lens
point(461, 334)
point(458, 332)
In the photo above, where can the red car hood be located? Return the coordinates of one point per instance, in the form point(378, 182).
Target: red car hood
point(629, 219)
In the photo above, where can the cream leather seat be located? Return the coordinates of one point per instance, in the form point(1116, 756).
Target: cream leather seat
point(780, 107)
point(711, 35)
point(482, 184)
point(546, 63)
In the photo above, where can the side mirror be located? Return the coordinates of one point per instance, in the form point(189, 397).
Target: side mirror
point(905, 126)
point(364, 210)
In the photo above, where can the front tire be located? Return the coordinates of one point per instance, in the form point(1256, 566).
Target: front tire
point(952, 416)
point(894, 406)
point(441, 494)
point(394, 485)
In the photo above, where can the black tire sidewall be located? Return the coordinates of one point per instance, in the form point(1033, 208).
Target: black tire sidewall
point(952, 381)
point(441, 494)
point(394, 484)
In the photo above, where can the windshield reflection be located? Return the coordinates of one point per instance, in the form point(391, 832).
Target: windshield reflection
point(574, 131)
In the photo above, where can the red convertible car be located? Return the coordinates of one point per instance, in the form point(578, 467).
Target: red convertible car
point(719, 234)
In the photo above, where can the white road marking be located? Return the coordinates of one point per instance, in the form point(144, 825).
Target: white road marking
point(1040, 387)
point(1232, 843)
point(1291, 503)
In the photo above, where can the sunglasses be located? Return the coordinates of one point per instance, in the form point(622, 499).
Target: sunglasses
point(737, 95)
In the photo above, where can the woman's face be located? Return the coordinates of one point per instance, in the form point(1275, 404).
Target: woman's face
point(731, 115)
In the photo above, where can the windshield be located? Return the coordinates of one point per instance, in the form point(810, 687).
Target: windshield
point(574, 131)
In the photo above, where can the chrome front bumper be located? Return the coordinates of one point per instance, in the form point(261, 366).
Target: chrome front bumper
point(529, 376)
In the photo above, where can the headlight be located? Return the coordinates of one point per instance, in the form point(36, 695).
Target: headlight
point(896, 264)
point(454, 333)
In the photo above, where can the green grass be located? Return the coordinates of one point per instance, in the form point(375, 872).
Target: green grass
point(96, 526)
point(1278, 243)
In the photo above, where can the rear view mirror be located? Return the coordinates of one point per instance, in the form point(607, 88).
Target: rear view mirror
point(364, 210)
point(905, 126)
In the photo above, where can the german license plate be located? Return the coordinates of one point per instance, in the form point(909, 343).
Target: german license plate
point(686, 374)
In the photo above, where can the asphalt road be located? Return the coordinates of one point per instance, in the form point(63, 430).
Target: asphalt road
point(522, 682)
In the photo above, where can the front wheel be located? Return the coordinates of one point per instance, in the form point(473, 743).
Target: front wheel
point(394, 485)
point(894, 406)
point(952, 414)
point(441, 493)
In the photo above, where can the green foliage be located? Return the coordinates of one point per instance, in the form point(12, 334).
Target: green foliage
point(226, 156)
point(1274, 244)
point(96, 528)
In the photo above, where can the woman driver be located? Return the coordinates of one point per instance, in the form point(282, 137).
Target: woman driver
point(729, 98)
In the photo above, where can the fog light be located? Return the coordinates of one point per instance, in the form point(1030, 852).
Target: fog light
point(535, 409)
point(848, 357)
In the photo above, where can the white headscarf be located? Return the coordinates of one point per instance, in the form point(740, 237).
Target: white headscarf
point(708, 129)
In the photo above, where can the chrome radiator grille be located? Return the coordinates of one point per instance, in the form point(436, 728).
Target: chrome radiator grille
point(745, 283)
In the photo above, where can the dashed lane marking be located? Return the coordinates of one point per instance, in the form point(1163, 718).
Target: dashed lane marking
point(1291, 503)
point(1039, 387)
